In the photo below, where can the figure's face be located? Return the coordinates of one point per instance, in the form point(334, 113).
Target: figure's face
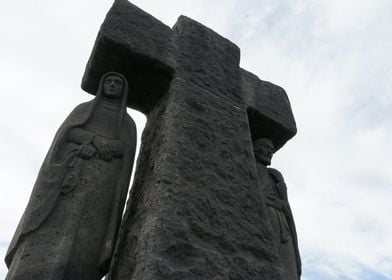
point(113, 87)
point(264, 150)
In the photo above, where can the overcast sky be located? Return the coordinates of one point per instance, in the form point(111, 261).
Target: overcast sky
point(333, 57)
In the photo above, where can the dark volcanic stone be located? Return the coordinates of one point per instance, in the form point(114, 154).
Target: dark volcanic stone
point(195, 210)
point(70, 226)
point(206, 59)
point(150, 55)
point(133, 43)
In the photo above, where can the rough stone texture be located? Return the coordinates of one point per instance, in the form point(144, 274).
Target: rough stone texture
point(269, 110)
point(195, 210)
point(274, 191)
point(143, 54)
point(207, 60)
point(151, 54)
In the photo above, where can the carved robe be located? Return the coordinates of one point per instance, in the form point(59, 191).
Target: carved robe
point(70, 225)
point(274, 191)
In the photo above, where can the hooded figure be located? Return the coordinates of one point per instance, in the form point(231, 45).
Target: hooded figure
point(70, 224)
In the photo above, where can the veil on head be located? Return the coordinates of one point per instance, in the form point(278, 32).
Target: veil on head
point(124, 97)
point(102, 80)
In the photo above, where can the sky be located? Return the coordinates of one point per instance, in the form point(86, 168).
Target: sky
point(333, 57)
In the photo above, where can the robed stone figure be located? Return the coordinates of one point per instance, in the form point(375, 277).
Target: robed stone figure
point(274, 191)
point(70, 225)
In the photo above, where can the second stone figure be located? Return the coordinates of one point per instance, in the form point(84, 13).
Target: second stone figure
point(70, 225)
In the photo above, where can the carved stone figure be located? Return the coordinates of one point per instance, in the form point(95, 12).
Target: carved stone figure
point(195, 209)
point(274, 191)
point(70, 225)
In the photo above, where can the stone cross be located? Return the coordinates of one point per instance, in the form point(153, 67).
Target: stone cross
point(195, 210)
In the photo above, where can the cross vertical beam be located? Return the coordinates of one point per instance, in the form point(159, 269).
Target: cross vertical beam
point(195, 210)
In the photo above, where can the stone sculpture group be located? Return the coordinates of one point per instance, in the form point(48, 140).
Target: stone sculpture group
point(203, 205)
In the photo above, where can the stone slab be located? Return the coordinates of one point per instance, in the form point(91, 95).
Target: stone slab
point(200, 214)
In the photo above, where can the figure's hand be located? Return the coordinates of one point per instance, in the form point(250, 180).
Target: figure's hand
point(86, 151)
point(104, 149)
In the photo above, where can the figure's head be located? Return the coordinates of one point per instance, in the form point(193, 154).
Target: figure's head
point(264, 150)
point(113, 86)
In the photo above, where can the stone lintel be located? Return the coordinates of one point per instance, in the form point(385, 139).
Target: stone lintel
point(135, 44)
point(269, 110)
